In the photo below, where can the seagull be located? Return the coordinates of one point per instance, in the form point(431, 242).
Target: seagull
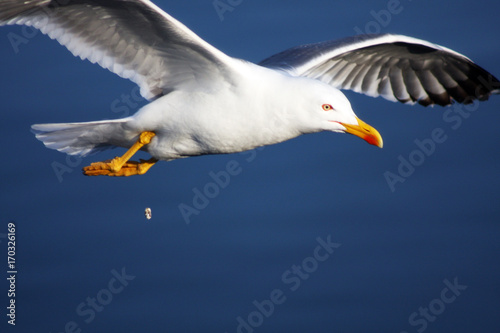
point(203, 101)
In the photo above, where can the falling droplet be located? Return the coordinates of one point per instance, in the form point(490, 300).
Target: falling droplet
point(147, 213)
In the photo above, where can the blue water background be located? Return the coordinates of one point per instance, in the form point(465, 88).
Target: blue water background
point(395, 248)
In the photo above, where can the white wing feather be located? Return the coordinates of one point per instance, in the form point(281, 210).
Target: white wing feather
point(132, 38)
point(396, 67)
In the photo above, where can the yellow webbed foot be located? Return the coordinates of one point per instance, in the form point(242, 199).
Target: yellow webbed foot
point(120, 166)
point(130, 168)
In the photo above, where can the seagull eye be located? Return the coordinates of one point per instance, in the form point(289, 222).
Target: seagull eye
point(327, 107)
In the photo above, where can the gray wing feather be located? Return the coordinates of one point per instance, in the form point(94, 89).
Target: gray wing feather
point(132, 38)
point(396, 67)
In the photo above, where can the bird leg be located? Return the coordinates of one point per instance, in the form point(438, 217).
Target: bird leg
point(120, 166)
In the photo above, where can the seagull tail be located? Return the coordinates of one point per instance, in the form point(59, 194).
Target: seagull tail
point(83, 138)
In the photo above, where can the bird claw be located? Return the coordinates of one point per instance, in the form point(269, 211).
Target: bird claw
point(131, 168)
point(121, 166)
point(106, 168)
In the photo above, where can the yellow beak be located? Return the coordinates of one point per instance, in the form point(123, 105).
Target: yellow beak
point(365, 132)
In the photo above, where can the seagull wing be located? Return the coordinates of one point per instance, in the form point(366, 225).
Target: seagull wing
point(396, 67)
point(132, 38)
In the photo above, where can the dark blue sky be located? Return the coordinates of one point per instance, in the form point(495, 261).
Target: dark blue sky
point(310, 226)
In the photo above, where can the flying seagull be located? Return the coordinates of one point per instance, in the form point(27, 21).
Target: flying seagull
point(203, 101)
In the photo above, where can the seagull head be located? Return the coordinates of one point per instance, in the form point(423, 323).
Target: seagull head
point(334, 112)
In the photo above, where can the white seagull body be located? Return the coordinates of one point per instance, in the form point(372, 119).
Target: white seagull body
point(206, 102)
